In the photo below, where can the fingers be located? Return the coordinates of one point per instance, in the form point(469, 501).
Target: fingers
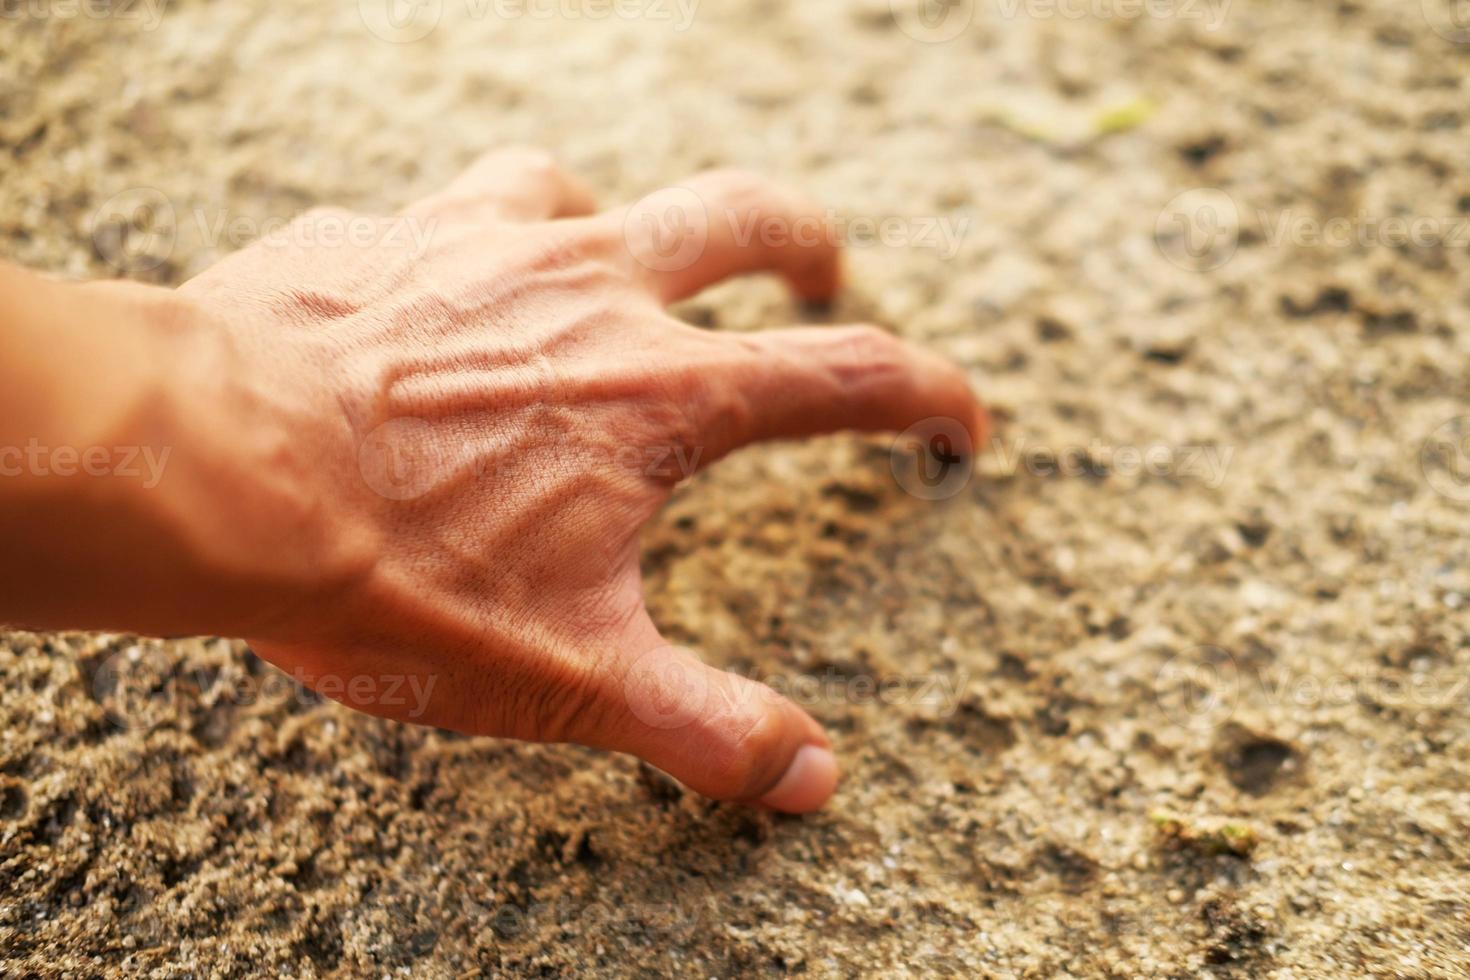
point(511, 184)
point(726, 223)
point(809, 380)
point(722, 735)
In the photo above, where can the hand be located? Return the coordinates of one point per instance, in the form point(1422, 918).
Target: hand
point(451, 418)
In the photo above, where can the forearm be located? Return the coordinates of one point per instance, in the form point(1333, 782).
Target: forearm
point(135, 491)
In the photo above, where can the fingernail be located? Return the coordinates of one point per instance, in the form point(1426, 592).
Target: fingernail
point(807, 783)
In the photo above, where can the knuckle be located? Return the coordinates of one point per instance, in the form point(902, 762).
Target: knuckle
point(670, 417)
point(708, 406)
point(530, 169)
point(531, 159)
point(724, 406)
point(600, 238)
point(866, 350)
point(556, 250)
point(868, 342)
point(746, 758)
point(735, 188)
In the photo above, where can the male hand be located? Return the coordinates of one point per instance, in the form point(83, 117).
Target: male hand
point(446, 423)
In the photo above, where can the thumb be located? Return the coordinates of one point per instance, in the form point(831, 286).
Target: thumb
point(722, 735)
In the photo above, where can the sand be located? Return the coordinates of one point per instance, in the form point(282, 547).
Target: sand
point(1175, 685)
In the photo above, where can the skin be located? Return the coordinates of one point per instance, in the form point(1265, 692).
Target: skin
point(426, 453)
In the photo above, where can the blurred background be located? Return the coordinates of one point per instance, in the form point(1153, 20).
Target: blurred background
point(1174, 684)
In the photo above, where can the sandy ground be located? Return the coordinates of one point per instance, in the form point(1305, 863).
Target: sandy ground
point(1195, 713)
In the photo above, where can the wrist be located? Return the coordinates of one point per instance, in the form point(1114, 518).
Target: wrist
point(169, 489)
point(256, 452)
point(83, 454)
